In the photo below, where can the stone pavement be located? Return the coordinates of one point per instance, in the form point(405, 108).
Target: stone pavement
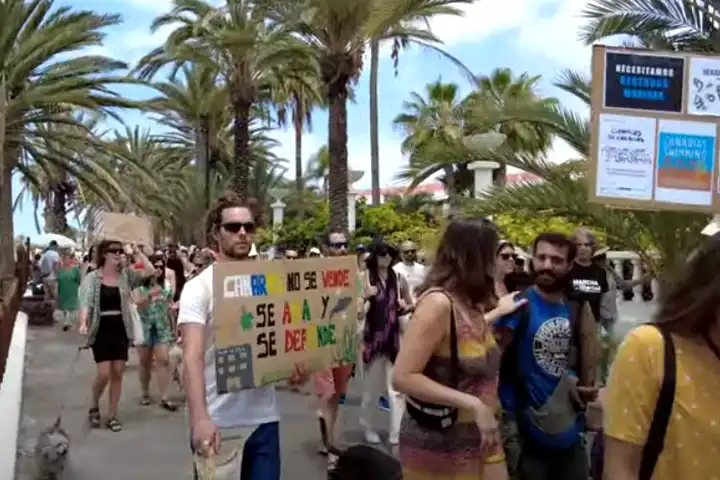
point(155, 442)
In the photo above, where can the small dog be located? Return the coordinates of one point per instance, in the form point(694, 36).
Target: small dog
point(176, 366)
point(51, 452)
point(360, 462)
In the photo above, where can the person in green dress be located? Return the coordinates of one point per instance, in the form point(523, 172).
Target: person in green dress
point(68, 284)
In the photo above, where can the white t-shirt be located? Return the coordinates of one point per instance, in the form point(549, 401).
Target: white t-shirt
point(413, 274)
point(47, 263)
point(237, 409)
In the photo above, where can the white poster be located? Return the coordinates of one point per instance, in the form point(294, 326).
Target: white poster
point(703, 87)
point(626, 157)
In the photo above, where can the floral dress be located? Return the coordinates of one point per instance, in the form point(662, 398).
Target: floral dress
point(154, 317)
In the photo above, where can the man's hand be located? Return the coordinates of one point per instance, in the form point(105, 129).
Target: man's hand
point(300, 376)
point(582, 395)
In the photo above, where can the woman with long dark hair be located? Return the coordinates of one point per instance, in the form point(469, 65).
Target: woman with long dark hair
point(686, 328)
point(387, 297)
point(449, 362)
point(153, 301)
point(106, 318)
point(504, 267)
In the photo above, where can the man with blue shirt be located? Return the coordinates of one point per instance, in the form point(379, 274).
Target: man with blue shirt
point(542, 407)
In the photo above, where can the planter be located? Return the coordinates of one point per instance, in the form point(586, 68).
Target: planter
point(38, 310)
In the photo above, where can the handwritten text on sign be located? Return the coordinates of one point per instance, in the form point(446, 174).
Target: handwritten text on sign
point(272, 315)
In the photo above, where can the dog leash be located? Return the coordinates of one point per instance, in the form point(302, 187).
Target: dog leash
point(70, 372)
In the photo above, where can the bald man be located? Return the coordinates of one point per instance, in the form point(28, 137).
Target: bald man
point(409, 268)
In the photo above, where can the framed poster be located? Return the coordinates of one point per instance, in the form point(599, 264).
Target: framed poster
point(644, 82)
point(626, 156)
point(685, 162)
point(704, 87)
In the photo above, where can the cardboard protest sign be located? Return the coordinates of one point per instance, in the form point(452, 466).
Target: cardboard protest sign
point(270, 315)
point(654, 136)
point(124, 228)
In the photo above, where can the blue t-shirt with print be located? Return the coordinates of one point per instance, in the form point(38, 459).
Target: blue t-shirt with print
point(543, 358)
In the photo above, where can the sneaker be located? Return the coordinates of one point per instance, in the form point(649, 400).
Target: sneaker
point(384, 404)
point(372, 437)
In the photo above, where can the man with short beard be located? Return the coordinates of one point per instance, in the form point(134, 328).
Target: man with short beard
point(331, 383)
point(250, 415)
point(539, 391)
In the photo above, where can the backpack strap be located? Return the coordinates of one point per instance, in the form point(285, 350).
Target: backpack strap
point(510, 363)
point(663, 409)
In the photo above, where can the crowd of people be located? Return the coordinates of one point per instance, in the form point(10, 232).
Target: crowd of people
point(486, 363)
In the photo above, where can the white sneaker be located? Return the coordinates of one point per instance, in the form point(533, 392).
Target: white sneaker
point(372, 437)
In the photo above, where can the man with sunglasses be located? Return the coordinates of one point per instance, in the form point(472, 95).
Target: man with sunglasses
point(250, 415)
point(409, 268)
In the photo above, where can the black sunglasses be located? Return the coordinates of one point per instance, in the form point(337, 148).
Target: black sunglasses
point(116, 251)
point(235, 227)
point(339, 245)
point(410, 251)
point(159, 266)
point(507, 256)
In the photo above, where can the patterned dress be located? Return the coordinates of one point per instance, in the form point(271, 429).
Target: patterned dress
point(154, 317)
point(455, 453)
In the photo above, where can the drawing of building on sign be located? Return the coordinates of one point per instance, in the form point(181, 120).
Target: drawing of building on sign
point(233, 368)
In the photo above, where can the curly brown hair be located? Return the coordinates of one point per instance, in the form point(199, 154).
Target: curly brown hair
point(213, 218)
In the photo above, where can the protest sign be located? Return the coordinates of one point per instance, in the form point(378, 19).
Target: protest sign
point(124, 228)
point(269, 316)
point(654, 139)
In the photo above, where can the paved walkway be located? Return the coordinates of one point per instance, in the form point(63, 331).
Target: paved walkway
point(155, 442)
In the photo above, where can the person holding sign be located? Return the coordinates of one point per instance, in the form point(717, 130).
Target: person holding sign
point(251, 414)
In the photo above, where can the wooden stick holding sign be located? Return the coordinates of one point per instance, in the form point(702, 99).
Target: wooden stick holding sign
point(124, 228)
point(271, 315)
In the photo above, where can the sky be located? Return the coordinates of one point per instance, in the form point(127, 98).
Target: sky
point(539, 37)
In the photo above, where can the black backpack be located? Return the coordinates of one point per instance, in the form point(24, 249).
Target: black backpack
point(661, 418)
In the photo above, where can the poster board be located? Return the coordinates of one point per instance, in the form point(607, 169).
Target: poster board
point(125, 228)
point(654, 130)
point(270, 315)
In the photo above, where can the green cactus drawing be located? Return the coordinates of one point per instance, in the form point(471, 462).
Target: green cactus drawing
point(346, 349)
point(246, 320)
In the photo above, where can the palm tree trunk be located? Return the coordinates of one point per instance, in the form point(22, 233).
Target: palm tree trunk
point(374, 140)
point(337, 146)
point(59, 211)
point(241, 133)
point(7, 161)
point(202, 145)
point(298, 117)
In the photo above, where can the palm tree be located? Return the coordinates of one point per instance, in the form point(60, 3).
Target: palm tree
point(41, 85)
point(494, 92)
point(662, 239)
point(251, 53)
point(338, 32)
point(317, 170)
point(434, 127)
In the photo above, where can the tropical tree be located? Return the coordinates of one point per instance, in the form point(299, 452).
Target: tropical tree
point(662, 239)
point(251, 54)
point(44, 79)
point(338, 33)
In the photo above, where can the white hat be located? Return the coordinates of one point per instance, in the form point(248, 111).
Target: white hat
point(314, 251)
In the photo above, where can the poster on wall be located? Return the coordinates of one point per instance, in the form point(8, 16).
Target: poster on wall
point(704, 87)
point(626, 157)
point(643, 82)
point(271, 315)
point(685, 162)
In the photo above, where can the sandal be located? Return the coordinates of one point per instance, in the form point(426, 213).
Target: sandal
point(113, 425)
point(145, 400)
point(94, 417)
point(169, 406)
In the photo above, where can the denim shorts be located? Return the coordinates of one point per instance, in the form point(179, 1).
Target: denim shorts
point(260, 455)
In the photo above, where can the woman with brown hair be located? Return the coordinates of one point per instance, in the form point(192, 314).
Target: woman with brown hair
point(106, 318)
point(660, 404)
point(449, 361)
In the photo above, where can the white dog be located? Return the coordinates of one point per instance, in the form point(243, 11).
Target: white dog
point(176, 365)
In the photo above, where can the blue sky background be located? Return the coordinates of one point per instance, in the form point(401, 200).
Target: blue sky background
point(534, 36)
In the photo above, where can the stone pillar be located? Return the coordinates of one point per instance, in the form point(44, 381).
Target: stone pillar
point(278, 213)
point(637, 275)
point(352, 196)
point(483, 175)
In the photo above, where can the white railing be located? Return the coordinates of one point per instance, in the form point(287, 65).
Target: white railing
point(11, 398)
point(617, 257)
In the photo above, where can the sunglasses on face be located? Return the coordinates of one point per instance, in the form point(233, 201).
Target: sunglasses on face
point(115, 251)
point(159, 266)
point(507, 256)
point(235, 227)
point(410, 252)
point(339, 245)
point(580, 244)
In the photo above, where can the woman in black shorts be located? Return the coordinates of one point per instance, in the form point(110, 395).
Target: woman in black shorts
point(106, 318)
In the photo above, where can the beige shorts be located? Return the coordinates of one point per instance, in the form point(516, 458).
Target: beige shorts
point(50, 285)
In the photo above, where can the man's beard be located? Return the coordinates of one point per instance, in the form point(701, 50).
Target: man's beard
point(557, 285)
point(233, 254)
